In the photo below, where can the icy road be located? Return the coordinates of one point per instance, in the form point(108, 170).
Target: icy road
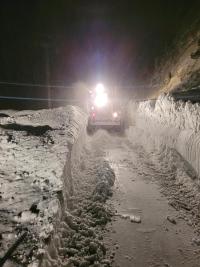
point(146, 191)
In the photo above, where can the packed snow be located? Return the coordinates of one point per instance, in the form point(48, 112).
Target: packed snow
point(54, 184)
point(168, 132)
point(168, 122)
point(78, 240)
point(35, 148)
point(55, 180)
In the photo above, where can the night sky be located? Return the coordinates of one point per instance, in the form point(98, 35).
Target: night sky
point(112, 41)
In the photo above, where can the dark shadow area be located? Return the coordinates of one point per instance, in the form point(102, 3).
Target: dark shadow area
point(31, 130)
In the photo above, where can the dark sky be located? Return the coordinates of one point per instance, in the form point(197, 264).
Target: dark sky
point(113, 41)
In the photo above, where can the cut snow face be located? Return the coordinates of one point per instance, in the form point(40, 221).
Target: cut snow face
point(172, 123)
point(35, 146)
point(53, 190)
point(78, 240)
point(168, 131)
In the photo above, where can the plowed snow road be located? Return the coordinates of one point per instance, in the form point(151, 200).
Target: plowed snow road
point(155, 241)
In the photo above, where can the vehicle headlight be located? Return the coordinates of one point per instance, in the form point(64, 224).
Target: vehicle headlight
point(101, 100)
point(99, 89)
point(115, 115)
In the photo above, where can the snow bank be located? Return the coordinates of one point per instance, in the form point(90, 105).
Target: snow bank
point(171, 123)
point(37, 150)
point(167, 111)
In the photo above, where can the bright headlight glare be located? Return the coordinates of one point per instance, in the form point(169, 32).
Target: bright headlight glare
point(100, 88)
point(101, 100)
point(115, 114)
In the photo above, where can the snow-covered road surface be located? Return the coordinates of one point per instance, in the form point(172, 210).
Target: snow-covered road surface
point(162, 238)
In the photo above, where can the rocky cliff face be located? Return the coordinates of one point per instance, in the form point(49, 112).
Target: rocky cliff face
point(179, 69)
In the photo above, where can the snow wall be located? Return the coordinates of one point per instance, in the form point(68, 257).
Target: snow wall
point(38, 149)
point(169, 123)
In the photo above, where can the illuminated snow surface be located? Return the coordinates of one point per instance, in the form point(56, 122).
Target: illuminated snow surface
point(171, 123)
point(157, 181)
point(169, 133)
point(34, 149)
point(55, 180)
point(54, 187)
